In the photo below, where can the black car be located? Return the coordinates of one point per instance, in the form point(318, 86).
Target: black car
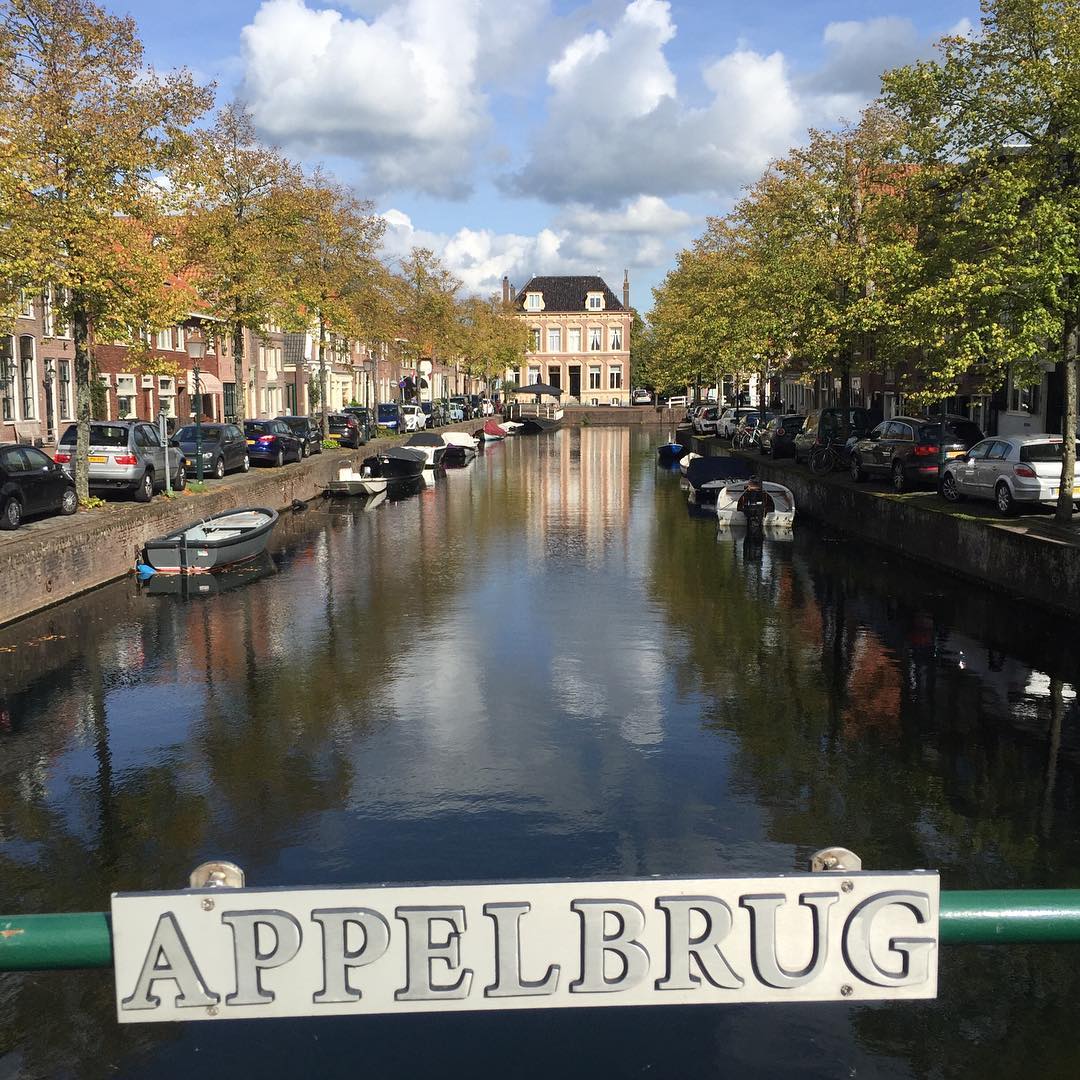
point(428, 409)
point(826, 425)
point(364, 418)
point(32, 483)
point(907, 449)
point(778, 438)
point(344, 429)
point(224, 448)
point(272, 441)
point(307, 431)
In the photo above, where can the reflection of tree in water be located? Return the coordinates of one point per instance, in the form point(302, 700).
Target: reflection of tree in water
point(859, 721)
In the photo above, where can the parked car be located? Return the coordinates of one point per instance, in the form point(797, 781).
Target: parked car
point(728, 420)
point(428, 409)
point(126, 455)
point(825, 425)
point(272, 441)
point(477, 404)
point(224, 448)
point(1011, 471)
point(364, 419)
point(641, 397)
point(413, 418)
point(32, 483)
point(778, 438)
point(455, 411)
point(487, 407)
point(748, 424)
point(307, 431)
point(344, 429)
point(389, 415)
point(466, 407)
point(704, 421)
point(906, 449)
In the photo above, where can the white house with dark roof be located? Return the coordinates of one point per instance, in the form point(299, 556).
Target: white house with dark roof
point(579, 338)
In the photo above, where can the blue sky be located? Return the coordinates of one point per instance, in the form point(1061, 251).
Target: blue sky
point(554, 136)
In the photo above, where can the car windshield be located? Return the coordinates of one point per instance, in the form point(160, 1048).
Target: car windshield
point(387, 412)
point(188, 434)
point(1045, 451)
point(100, 435)
point(337, 420)
point(955, 431)
point(257, 427)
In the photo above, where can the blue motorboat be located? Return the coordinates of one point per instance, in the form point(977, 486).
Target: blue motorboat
point(670, 452)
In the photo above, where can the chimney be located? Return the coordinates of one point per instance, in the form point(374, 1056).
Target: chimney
point(626, 288)
point(506, 289)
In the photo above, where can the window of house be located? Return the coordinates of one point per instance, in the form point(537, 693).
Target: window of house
point(228, 398)
point(63, 374)
point(534, 335)
point(7, 372)
point(594, 378)
point(596, 339)
point(47, 311)
point(26, 374)
point(616, 338)
point(615, 378)
point(533, 302)
point(26, 303)
point(163, 339)
point(554, 340)
point(180, 339)
point(594, 301)
point(125, 407)
point(1025, 399)
point(534, 376)
point(573, 339)
point(555, 376)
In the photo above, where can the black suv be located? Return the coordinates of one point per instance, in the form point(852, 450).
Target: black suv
point(307, 431)
point(907, 449)
point(344, 429)
point(363, 418)
point(825, 425)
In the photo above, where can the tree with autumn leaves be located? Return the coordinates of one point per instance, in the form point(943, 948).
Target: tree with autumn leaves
point(941, 232)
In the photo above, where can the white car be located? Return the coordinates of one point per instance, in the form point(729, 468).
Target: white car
point(641, 397)
point(729, 420)
point(705, 421)
point(486, 408)
point(1021, 469)
point(413, 418)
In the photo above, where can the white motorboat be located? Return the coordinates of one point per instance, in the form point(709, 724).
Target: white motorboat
point(511, 427)
point(684, 462)
point(350, 482)
point(779, 506)
point(431, 444)
point(461, 447)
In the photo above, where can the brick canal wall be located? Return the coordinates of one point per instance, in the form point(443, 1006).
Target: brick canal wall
point(1026, 559)
point(634, 416)
point(53, 559)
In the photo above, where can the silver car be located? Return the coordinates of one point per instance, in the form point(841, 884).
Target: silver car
point(126, 455)
point(1021, 469)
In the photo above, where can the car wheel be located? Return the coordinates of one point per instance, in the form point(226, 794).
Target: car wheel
point(12, 516)
point(305, 451)
point(899, 478)
point(247, 464)
point(69, 503)
point(1004, 499)
point(145, 491)
point(857, 473)
point(949, 491)
point(280, 457)
point(219, 468)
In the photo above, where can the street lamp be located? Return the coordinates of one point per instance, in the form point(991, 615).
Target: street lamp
point(196, 349)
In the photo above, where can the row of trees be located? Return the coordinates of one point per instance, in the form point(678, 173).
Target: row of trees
point(111, 191)
point(939, 234)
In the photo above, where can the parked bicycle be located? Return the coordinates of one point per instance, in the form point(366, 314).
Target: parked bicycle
point(827, 456)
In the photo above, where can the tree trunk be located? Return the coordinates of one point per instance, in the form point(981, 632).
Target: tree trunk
point(238, 374)
point(1068, 426)
point(83, 398)
point(322, 374)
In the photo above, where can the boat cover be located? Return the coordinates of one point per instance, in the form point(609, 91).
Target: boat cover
point(492, 428)
point(426, 438)
point(405, 453)
point(459, 438)
point(703, 470)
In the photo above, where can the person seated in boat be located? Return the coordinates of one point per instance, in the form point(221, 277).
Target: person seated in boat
point(753, 497)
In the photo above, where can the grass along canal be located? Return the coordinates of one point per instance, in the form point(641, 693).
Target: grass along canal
point(543, 668)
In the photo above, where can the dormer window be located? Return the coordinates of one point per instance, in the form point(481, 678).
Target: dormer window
point(594, 301)
point(534, 301)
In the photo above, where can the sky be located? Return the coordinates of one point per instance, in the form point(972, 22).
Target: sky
point(548, 136)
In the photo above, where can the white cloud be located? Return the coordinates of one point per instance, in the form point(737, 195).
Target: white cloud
point(616, 127)
point(398, 93)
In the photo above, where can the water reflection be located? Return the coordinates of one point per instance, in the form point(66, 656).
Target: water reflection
point(541, 667)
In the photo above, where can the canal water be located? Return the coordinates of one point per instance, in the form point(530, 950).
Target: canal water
point(544, 667)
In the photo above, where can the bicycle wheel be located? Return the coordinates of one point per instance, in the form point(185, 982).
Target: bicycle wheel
point(822, 460)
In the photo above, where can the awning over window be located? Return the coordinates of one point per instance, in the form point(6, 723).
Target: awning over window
point(208, 384)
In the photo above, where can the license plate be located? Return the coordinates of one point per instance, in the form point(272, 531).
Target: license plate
point(188, 461)
point(248, 953)
point(333, 435)
point(251, 442)
point(955, 453)
point(98, 458)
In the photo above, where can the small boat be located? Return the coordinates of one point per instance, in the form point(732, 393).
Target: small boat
point(492, 432)
point(511, 427)
point(779, 507)
point(350, 482)
point(214, 542)
point(460, 447)
point(433, 446)
point(400, 466)
point(669, 452)
point(684, 462)
point(707, 475)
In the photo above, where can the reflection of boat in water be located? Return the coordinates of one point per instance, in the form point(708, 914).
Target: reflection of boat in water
point(350, 482)
point(373, 501)
point(737, 507)
point(200, 585)
point(214, 542)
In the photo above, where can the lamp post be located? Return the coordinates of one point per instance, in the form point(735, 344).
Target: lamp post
point(164, 432)
point(196, 350)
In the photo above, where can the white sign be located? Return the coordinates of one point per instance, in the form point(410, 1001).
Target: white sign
point(221, 953)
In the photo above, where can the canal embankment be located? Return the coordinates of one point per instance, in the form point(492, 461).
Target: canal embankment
point(622, 416)
point(53, 559)
point(1032, 558)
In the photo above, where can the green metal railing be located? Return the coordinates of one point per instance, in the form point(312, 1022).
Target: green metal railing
point(992, 917)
